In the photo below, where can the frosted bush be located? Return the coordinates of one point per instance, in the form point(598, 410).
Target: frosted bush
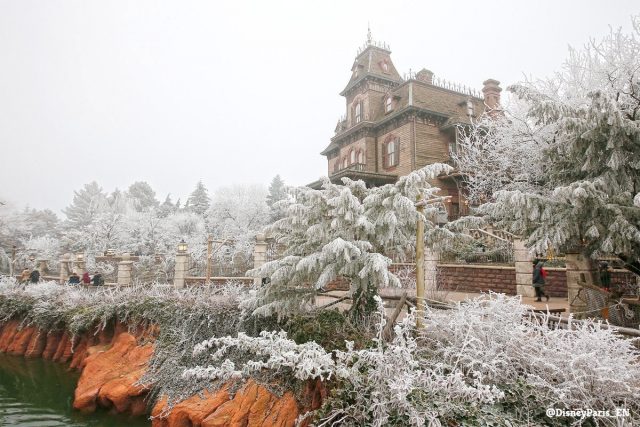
point(485, 361)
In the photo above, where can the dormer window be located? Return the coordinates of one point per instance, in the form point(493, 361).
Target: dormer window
point(385, 66)
point(388, 104)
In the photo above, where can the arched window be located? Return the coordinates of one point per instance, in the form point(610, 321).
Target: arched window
point(361, 157)
point(344, 162)
point(357, 112)
point(352, 156)
point(391, 152)
point(388, 104)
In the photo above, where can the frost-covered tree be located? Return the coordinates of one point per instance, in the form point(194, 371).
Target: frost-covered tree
point(501, 152)
point(587, 119)
point(87, 203)
point(238, 213)
point(167, 207)
point(342, 231)
point(142, 195)
point(198, 200)
point(277, 192)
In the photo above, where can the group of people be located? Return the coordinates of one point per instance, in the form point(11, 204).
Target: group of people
point(86, 279)
point(33, 276)
point(30, 276)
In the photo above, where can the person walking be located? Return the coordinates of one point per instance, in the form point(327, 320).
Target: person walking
point(539, 275)
point(97, 279)
point(74, 279)
point(86, 279)
point(24, 276)
point(605, 276)
point(34, 277)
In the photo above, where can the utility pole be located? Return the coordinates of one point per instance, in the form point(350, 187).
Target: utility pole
point(209, 256)
point(420, 262)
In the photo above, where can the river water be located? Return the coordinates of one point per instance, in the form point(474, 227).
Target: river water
point(39, 393)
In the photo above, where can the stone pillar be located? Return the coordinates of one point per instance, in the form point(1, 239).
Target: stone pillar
point(124, 271)
point(579, 272)
point(42, 266)
point(182, 266)
point(431, 260)
point(78, 266)
point(259, 255)
point(64, 269)
point(524, 269)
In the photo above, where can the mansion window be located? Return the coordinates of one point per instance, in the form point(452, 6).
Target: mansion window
point(357, 112)
point(336, 165)
point(352, 157)
point(361, 157)
point(391, 152)
point(344, 162)
point(388, 106)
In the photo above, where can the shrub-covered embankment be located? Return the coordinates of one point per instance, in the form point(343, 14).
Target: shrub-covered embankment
point(192, 357)
point(132, 346)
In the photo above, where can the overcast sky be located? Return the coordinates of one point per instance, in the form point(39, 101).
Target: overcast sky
point(171, 92)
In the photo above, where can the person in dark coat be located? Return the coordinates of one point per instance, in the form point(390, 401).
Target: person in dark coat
point(97, 279)
point(605, 276)
point(34, 277)
point(74, 279)
point(86, 279)
point(538, 281)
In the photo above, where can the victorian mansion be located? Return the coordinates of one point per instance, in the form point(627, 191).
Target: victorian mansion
point(394, 125)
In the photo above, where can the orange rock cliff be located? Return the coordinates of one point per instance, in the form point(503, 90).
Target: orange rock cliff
point(113, 360)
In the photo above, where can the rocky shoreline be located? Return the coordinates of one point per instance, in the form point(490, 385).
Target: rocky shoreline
point(112, 360)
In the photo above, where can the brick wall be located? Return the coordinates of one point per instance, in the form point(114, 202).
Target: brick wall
point(467, 278)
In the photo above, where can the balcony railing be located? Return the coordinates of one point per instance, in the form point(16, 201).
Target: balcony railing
point(355, 167)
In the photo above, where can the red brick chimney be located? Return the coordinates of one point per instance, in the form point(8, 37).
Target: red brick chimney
point(425, 75)
point(491, 90)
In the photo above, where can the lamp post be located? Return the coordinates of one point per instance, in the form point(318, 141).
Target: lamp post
point(420, 262)
point(182, 265)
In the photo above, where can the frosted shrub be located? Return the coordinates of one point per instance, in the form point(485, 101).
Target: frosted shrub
point(484, 362)
point(537, 366)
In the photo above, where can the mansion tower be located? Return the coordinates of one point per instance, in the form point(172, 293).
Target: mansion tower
point(394, 125)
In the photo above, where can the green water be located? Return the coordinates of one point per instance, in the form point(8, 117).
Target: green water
point(39, 393)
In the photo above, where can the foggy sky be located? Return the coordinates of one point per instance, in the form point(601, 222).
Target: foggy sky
point(171, 92)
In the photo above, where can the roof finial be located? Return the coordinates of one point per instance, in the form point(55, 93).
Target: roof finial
point(369, 40)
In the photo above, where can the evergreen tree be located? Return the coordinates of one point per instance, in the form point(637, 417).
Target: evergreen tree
point(198, 201)
point(167, 207)
point(87, 203)
point(343, 231)
point(143, 196)
point(584, 199)
point(277, 192)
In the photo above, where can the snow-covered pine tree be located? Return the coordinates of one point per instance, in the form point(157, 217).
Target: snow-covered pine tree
point(143, 196)
point(342, 231)
point(277, 192)
point(198, 201)
point(87, 203)
point(587, 196)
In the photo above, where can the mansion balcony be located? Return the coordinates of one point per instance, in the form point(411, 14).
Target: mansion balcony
point(358, 171)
